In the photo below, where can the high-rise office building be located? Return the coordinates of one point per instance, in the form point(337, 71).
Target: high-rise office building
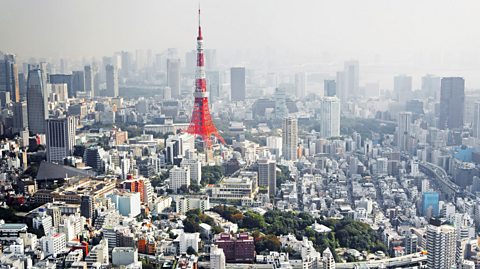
point(36, 102)
point(441, 246)
point(329, 87)
point(340, 88)
point(127, 65)
point(89, 79)
point(191, 61)
point(214, 85)
point(22, 83)
point(9, 77)
point(403, 132)
point(63, 79)
point(430, 204)
point(290, 138)
point(5, 99)
point(60, 138)
point(112, 81)
point(267, 175)
point(281, 110)
point(300, 84)
point(329, 115)
point(237, 84)
point(476, 120)
point(173, 77)
point(351, 73)
point(452, 103)
point(210, 59)
point(431, 86)
point(78, 82)
point(20, 117)
point(402, 87)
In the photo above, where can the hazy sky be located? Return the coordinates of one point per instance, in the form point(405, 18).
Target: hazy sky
point(441, 35)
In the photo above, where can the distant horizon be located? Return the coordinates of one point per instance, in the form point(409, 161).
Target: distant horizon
point(388, 38)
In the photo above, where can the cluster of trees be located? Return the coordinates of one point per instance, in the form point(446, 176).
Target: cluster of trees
point(283, 175)
point(265, 243)
point(355, 234)
point(9, 216)
point(366, 127)
point(248, 220)
point(346, 233)
point(211, 174)
point(285, 222)
point(195, 217)
point(159, 179)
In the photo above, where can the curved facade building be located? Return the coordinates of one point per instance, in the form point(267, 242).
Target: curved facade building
point(36, 102)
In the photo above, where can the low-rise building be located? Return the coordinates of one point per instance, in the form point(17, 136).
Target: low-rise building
point(124, 256)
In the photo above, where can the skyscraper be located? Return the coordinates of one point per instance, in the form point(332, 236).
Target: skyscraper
point(280, 97)
point(329, 115)
point(60, 138)
point(36, 102)
point(440, 245)
point(476, 120)
point(452, 103)
point(300, 84)
point(430, 204)
point(290, 138)
point(214, 84)
point(22, 83)
point(9, 77)
point(403, 132)
point(351, 79)
point(341, 89)
point(112, 81)
point(127, 65)
point(20, 117)
point(211, 59)
point(173, 77)
point(237, 84)
point(190, 61)
point(78, 82)
point(402, 87)
point(431, 86)
point(329, 88)
point(63, 79)
point(267, 175)
point(89, 79)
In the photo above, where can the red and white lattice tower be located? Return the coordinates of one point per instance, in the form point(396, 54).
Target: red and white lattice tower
point(202, 124)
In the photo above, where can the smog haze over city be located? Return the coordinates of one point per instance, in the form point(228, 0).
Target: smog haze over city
point(388, 37)
point(244, 134)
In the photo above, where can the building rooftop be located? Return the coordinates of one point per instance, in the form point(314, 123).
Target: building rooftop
point(13, 226)
point(48, 171)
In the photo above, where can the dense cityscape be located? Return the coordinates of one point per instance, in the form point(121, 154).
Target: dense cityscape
point(165, 159)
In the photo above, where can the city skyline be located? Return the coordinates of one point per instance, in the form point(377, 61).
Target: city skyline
point(352, 139)
point(389, 38)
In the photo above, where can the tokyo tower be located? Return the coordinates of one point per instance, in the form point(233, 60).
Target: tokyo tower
point(202, 124)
